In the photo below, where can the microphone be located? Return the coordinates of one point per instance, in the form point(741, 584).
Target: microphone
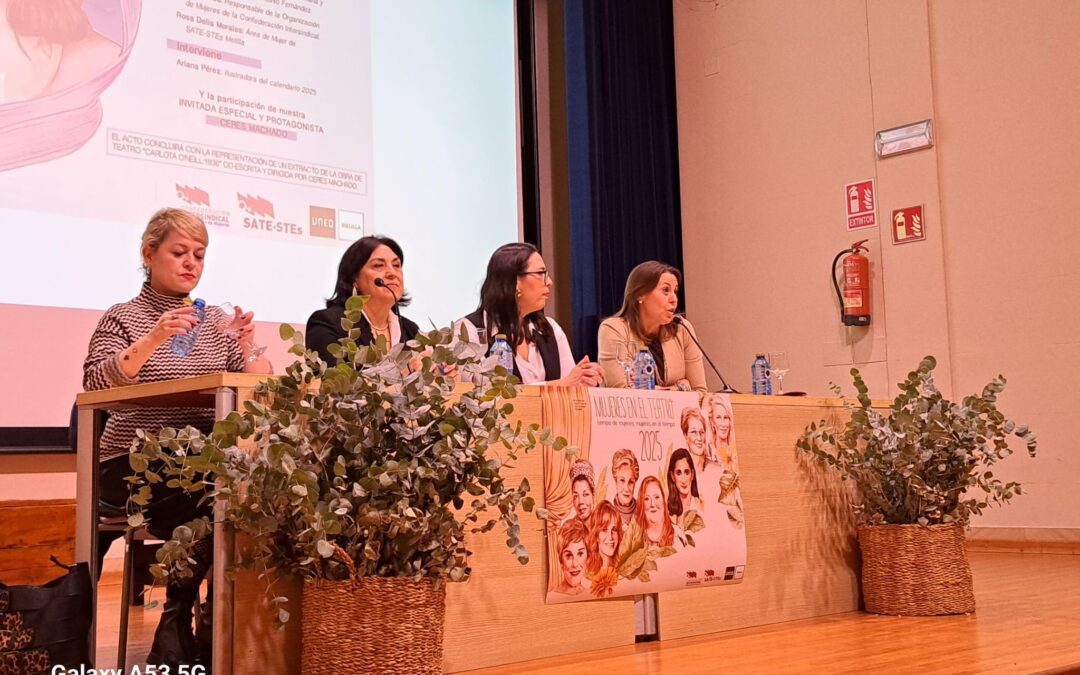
point(728, 389)
point(382, 284)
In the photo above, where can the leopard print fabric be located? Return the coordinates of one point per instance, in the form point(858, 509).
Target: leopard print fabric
point(11, 640)
point(29, 662)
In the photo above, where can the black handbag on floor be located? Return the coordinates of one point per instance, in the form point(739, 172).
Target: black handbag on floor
point(46, 626)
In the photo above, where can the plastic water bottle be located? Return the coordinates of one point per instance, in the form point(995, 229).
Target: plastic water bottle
point(504, 355)
point(759, 376)
point(182, 344)
point(644, 370)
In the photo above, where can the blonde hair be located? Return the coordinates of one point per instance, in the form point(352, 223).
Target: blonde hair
point(691, 414)
point(164, 222)
point(717, 401)
point(625, 457)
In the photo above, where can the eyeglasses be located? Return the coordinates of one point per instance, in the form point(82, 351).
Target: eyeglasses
point(542, 274)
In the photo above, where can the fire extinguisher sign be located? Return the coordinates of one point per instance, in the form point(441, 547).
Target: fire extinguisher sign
point(861, 205)
point(908, 225)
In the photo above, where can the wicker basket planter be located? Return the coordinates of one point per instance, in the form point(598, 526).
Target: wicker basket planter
point(373, 625)
point(912, 570)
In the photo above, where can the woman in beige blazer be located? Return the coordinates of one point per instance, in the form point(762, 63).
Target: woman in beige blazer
point(647, 320)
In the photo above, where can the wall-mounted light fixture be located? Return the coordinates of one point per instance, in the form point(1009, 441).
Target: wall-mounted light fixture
point(907, 138)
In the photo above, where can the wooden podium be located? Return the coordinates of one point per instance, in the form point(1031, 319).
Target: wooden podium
point(800, 558)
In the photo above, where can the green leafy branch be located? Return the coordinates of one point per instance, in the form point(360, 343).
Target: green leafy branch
point(927, 460)
point(374, 466)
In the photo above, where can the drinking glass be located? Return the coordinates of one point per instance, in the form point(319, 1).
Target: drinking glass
point(225, 325)
point(625, 352)
point(778, 366)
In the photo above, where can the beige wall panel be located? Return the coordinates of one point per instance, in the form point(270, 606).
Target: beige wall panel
point(778, 105)
point(766, 145)
point(1010, 123)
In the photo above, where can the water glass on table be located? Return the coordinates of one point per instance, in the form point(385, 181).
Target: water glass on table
point(625, 351)
point(778, 367)
point(226, 323)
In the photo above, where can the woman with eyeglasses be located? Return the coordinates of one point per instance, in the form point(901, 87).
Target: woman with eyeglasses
point(512, 301)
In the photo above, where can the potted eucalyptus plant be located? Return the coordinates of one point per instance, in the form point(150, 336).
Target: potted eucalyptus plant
point(919, 472)
point(363, 478)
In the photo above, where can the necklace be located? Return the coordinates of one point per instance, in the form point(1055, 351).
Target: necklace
point(382, 328)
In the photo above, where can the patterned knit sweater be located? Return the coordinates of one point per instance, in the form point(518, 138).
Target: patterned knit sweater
point(122, 325)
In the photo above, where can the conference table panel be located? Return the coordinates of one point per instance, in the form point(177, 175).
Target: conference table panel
point(800, 536)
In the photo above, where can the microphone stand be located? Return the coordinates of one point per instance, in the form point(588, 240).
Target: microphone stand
point(382, 284)
point(728, 389)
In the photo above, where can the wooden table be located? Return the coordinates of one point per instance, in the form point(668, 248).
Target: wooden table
point(498, 616)
point(800, 549)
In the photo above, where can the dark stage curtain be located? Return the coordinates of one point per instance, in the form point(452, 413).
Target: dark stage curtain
point(623, 151)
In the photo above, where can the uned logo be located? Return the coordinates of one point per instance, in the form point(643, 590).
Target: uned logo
point(192, 195)
point(322, 222)
point(256, 206)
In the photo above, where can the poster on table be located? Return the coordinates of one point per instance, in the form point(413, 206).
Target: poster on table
point(651, 501)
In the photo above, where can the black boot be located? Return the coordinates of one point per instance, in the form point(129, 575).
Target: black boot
point(204, 632)
point(174, 642)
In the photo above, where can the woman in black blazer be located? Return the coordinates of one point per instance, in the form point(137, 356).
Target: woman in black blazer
point(372, 266)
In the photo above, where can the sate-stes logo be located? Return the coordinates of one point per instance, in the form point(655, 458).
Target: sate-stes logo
point(261, 215)
point(256, 206)
point(192, 195)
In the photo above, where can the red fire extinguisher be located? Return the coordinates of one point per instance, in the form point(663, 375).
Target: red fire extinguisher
point(855, 295)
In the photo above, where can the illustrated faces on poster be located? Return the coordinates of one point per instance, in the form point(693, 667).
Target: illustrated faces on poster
point(573, 557)
point(683, 475)
point(583, 498)
point(695, 435)
point(653, 498)
point(624, 485)
point(608, 538)
point(721, 421)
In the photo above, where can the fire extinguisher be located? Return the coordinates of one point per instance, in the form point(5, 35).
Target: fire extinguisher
point(855, 295)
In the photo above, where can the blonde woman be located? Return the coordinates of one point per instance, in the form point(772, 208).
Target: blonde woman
point(625, 470)
point(721, 431)
point(693, 428)
point(129, 346)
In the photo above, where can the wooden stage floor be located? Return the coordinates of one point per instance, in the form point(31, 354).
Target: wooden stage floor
point(1028, 621)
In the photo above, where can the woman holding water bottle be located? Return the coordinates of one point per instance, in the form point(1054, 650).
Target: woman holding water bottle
point(512, 300)
point(647, 321)
point(132, 344)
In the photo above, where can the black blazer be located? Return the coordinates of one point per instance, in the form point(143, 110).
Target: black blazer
point(545, 344)
point(324, 329)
